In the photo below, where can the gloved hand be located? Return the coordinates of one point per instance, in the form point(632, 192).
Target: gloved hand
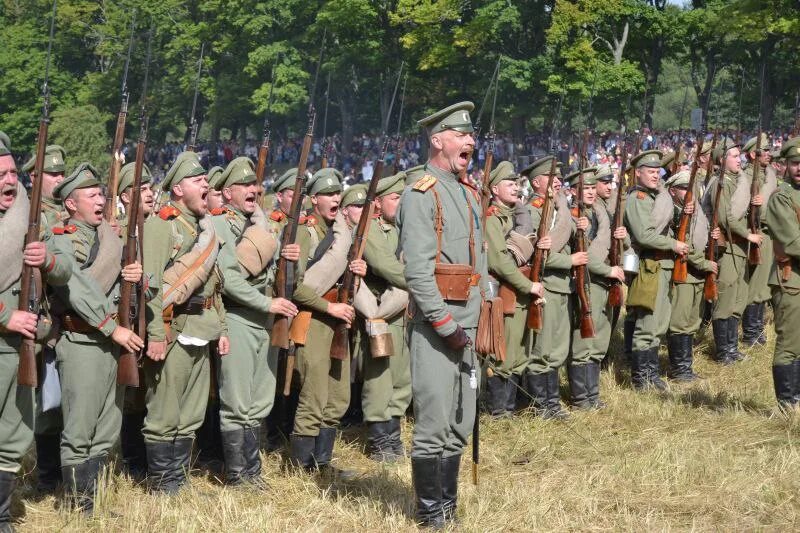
point(458, 339)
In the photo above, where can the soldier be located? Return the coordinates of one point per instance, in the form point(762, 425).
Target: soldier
point(247, 375)
point(183, 317)
point(648, 218)
point(783, 220)
point(587, 354)
point(49, 423)
point(215, 202)
point(733, 207)
point(386, 393)
point(758, 292)
point(17, 408)
point(353, 203)
point(778, 163)
point(440, 233)
point(283, 187)
point(509, 252)
point(147, 198)
point(324, 382)
point(87, 358)
point(549, 349)
point(687, 296)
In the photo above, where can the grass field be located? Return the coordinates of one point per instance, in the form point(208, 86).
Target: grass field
point(713, 455)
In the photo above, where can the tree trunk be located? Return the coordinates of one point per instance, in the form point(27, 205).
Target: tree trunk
point(346, 112)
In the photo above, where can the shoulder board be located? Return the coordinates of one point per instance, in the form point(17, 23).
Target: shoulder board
point(168, 212)
point(310, 220)
point(277, 216)
point(575, 212)
point(218, 211)
point(537, 202)
point(641, 195)
point(493, 210)
point(424, 183)
point(65, 230)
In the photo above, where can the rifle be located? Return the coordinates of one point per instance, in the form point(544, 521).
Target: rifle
point(325, 141)
point(284, 278)
point(28, 292)
point(486, 194)
point(109, 210)
point(615, 296)
point(127, 369)
point(754, 217)
point(581, 272)
point(192, 146)
point(710, 291)
point(263, 150)
point(397, 150)
point(680, 271)
point(534, 319)
point(340, 343)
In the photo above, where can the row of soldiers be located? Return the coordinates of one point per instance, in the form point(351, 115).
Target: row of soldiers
point(208, 276)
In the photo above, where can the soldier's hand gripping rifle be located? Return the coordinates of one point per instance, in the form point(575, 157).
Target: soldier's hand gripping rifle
point(680, 271)
point(534, 318)
point(347, 290)
point(710, 290)
point(127, 368)
point(110, 209)
point(582, 282)
point(615, 296)
point(28, 292)
point(263, 150)
point(192, 146)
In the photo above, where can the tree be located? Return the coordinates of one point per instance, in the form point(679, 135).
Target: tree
point(81, 132)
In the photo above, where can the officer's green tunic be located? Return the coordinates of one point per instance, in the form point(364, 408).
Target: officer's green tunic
point(783, 223)
point(324, 382)
point(732, 278)
point(638, 219)
point(17, 402)
point(549, 349)
point(247, 374)
point(177, 387)
point(387, 380)
point(444, 401)
point(504, 268)
point(91, 401)
point(758, 285)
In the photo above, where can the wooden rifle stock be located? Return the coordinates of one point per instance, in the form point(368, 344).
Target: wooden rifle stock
point(581, 271)
point(754, 217)
point(534, 319)
point(615, 296)
point(261, 167)
point(710, 290)
point(284, 278)
point(680, 271)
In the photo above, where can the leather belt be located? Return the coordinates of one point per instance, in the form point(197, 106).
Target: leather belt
point(658, 255)
point(195, 305)
point(75, 324)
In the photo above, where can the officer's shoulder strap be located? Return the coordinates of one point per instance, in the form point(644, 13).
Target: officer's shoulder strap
point(425, 183)
point(68, 229)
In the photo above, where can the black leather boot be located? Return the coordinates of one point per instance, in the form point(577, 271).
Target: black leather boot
point(628, 328)
point(48, 462)
point(252, 457)
point(639, 369)
point(182, 459)
point(426, 475)
point(579, 387)
point(233, 452)
point(7, 482)
point(796, 370)
point(750, 326)
point(536, 384)
point(733, 339)
point(680, 358)
point(379, 441)
point(395, 433)
point(323, 455)
point(496, 396)
point(160, 467)
point(512, 386)
point(554, 409)
point(593, 385)
point(450, 466)
point(722, 350)
point(302, 451)
point(79, 485)
point(134, 456)
point(654, 369)
point(785, 381)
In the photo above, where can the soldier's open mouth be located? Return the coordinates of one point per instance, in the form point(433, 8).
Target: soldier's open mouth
point(203, 196)
point(9, 192)
point(250, 198)
point(463, 157)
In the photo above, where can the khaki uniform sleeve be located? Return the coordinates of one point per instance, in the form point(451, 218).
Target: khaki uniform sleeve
point(639, 221)
point(500, 262)
point(156, 250)
point(782, 222)
point(737, 226)
point(236, 286)
point(303, 294)
point(381, 259)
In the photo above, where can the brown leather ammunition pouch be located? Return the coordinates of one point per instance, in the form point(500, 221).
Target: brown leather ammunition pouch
point(508, 294)
point(380, 339)
point(75, 324)
point(490, 338)
point(298, 330)
point(454, 280)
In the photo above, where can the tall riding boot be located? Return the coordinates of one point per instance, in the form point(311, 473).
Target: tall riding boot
point(750, 326)
point(134, 456)
point(762, 323)
point(639, 369)
point(160, 467)
point(554, 409)
point(252, 457)
point(79, 485)
point(536, 384)
point(785, 381)
point(722, 345)
point(395, 435)
point(379, 441)
point(680, 357)
point(48, 462)
point(182, 459)
point(7, 482)
point(796, 370)
point(426, 476)
point(233, 452)
point(512, 386)
point(628, 328)
point(323, 454)
point(450, 466)
point(302, 451)
point(733, 339)
point(654, 369)
point(593, 385)
point(579, 386)
point(496, 396)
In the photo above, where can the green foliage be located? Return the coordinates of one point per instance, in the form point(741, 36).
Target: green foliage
point(81, 131)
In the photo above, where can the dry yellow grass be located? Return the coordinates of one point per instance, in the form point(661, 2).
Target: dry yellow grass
point(713, 455)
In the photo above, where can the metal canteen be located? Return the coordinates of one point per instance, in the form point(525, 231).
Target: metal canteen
point(630, 262)
point(492, 288)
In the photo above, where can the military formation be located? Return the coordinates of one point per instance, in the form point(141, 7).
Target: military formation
point(467, 292)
